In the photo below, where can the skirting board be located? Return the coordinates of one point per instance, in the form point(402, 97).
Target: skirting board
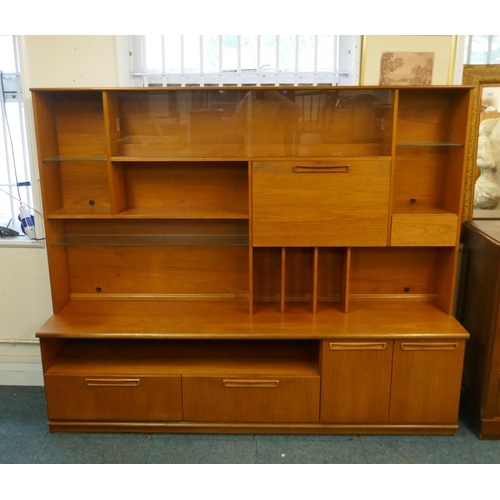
point(20, 373)
point(20, 363)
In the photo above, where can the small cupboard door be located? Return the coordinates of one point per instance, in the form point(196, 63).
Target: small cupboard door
point(356, 381)
point(426, 381)
point(344, 202)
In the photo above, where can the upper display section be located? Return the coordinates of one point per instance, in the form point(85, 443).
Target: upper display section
point(236, 122)
point(233, 123)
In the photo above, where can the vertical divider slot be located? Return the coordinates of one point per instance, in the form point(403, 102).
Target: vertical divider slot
point(115, 170)
point(346, 277)
point(314, 292)
point(283, 280)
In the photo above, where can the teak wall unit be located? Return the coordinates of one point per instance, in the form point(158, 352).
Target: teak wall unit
point(256, 259)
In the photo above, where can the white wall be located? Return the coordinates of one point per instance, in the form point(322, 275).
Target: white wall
point(25, 302)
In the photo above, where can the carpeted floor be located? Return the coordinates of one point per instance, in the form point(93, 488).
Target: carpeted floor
point(24, 439)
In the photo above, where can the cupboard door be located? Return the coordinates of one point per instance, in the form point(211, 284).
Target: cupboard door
point(339, 203)
point(249, 399)
point(426, 382)
point(356, 380)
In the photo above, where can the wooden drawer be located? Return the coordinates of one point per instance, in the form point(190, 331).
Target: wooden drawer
point(113, 398)
point(356, 381)
point(424, 230)
point(248, 399)
point(340, 203)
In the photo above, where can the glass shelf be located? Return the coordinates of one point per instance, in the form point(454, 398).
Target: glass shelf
point(61, 159)
point(153, 240)
point(428, 144)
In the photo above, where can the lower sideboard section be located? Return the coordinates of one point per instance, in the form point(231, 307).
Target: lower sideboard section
point(381, 386)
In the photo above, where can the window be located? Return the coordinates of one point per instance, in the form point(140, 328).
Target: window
point(482, 49)
point(183, 60)
point(15, 185)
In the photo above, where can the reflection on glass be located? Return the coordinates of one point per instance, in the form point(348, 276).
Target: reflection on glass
point(487, 186)
point(254, 123)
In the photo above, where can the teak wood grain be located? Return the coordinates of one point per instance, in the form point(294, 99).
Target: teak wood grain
point(314, 204)
point(427, 380)
point(356, 381)
point(271, 259)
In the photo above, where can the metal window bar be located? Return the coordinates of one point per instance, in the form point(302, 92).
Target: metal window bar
point(238, 76)
point(10, 187)
point(470, 52)
point(202, 79)
point(469, 48)
point(16, 162)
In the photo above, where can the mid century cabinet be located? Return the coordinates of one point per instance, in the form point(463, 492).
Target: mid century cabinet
point(255, 259)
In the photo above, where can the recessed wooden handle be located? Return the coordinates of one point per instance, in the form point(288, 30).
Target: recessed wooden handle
point(358, 346)
point(112, 382)
point(321, 169)
point(431, 346)
point(269, 384)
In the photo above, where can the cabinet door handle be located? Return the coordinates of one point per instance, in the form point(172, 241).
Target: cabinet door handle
point(357, 346)
point(112, 382)
point(321, 169)
point(430, 346)
point(269, 384)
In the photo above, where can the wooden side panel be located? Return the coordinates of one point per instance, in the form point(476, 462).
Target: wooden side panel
point(50, 350)
point(355, 381)
point(426, 381)
point(130, 398)
point(251, 399)
point(60, 285)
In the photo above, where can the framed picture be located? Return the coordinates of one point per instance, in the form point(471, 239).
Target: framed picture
point(408, 59)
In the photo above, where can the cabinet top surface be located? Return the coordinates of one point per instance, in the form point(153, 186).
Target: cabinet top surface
point(489, 228)
point(252, 87)
point(367, 319)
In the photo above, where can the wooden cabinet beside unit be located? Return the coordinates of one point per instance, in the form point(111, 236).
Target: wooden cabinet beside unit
point(479, 311)
point(237, 259)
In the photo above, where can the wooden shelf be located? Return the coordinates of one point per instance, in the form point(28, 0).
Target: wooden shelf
point(60, 159)
point(153, 240)
point(383, 318)
point(214, 357)
point(429, 145)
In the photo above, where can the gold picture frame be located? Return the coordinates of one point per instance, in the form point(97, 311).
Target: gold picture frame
point(478, 76)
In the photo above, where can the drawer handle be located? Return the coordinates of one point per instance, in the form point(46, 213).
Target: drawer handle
point(431, 346)
point(112, 382)
point(321, 169)
point(358, 346)
point(269, 384)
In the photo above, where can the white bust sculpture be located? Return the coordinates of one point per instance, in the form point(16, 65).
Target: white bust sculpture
point(487, 188)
